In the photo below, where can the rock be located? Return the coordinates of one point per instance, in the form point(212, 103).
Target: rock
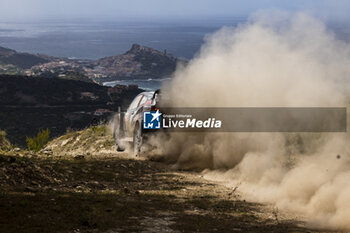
point(12, 159)
point(16, 149)
point(79, 157)
point(47, 152)
point(126, 190)
point(85, 223)
point(35, 183)
point(31, 189)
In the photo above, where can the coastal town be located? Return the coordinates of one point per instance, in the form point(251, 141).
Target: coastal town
point(139, 62)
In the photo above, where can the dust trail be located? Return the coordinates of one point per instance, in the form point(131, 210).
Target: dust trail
point(280, 61)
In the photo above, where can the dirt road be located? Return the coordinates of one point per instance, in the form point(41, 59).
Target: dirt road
point(121, 194)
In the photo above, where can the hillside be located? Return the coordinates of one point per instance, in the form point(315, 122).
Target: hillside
point(28, 104)
point(18, 90)
point(20, 60)
point(139, 62)
point(79, 183)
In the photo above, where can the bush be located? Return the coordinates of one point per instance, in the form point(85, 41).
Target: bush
point(4, 143)
point(38, 142)
point(99, 130)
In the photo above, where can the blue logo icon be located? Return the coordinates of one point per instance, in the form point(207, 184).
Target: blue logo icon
point(151, 120)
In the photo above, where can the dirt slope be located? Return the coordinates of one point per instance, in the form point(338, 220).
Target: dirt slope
point(99, 190)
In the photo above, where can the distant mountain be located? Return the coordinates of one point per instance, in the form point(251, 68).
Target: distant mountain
point(21, 60)
point(140, 62)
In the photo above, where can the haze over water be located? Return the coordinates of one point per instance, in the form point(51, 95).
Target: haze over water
point(95, 39)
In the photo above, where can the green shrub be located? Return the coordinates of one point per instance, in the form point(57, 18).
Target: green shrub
point(38, 142)
point(4, 143)
point(99, 130)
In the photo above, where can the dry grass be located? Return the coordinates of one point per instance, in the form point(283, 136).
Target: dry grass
point(94, 140)
point(4, 143)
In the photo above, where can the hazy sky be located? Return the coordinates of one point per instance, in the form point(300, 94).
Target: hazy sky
point(133, 9)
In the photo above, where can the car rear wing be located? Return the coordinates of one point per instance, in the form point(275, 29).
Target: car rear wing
point(156, 97)
point(156, 93)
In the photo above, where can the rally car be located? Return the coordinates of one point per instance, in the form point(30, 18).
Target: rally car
point(128, 126)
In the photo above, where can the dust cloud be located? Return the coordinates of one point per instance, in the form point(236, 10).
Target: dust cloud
point(280, 61)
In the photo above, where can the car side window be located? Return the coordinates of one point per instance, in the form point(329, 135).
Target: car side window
point(135, 102)
point(143, 100)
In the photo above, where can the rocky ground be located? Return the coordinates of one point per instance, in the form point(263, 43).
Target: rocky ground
point(101, 191)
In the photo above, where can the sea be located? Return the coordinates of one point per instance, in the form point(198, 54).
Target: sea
point(94, 39)
point(145, 84)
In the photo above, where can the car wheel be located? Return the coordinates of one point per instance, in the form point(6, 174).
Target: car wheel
point(137, 139)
